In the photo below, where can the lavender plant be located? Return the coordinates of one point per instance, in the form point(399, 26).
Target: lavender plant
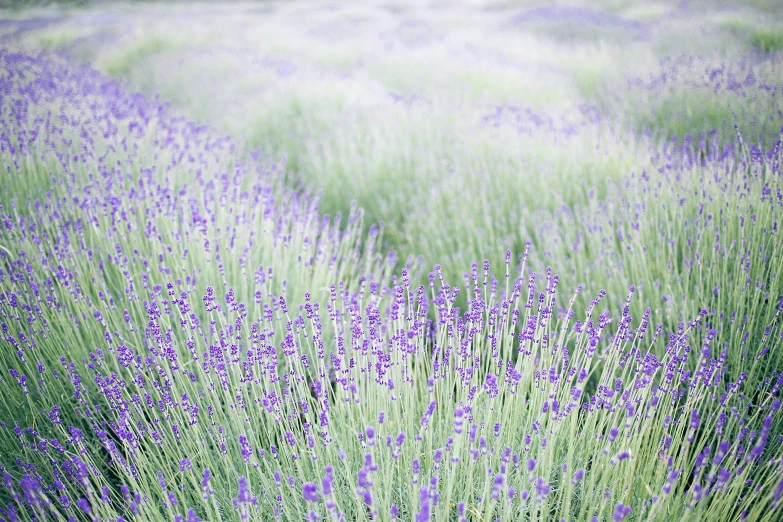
point(516, 409)
point(142, 199)
point(689, 95)
point(700, 230)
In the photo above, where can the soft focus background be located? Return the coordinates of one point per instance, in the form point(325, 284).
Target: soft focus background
point(456, 124)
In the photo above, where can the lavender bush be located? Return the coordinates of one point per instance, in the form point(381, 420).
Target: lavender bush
point(189, 336)
point(118, 197)
point(689, 95)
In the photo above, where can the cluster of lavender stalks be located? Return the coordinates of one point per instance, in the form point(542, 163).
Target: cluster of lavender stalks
point(187, 340)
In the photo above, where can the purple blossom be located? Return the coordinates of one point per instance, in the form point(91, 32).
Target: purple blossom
point(620, 512)
point(310, 492)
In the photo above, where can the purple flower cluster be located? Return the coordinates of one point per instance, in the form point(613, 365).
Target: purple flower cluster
point(711, 216)
point(691, 95)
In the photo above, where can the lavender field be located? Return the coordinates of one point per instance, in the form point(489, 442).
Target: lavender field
point(427, 261)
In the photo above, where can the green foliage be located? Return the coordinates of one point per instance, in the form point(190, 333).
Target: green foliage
point(123, 62)
point(767, 40)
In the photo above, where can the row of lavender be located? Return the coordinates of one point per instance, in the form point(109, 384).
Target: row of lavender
point(185, 339)
point(699, 228)
point(104, 193)
point(686, 95)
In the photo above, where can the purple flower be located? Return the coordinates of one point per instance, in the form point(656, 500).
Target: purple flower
point(245, 448)
point(542, 490)
point(84, 505)
point(54, 415)
point(695, 419)
point(459, 413)
point(326, 482)
point(423, 514)
point(244, 500)
point(310, 492)
point(620, 512)
point(206, 491)
point(620, 457)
